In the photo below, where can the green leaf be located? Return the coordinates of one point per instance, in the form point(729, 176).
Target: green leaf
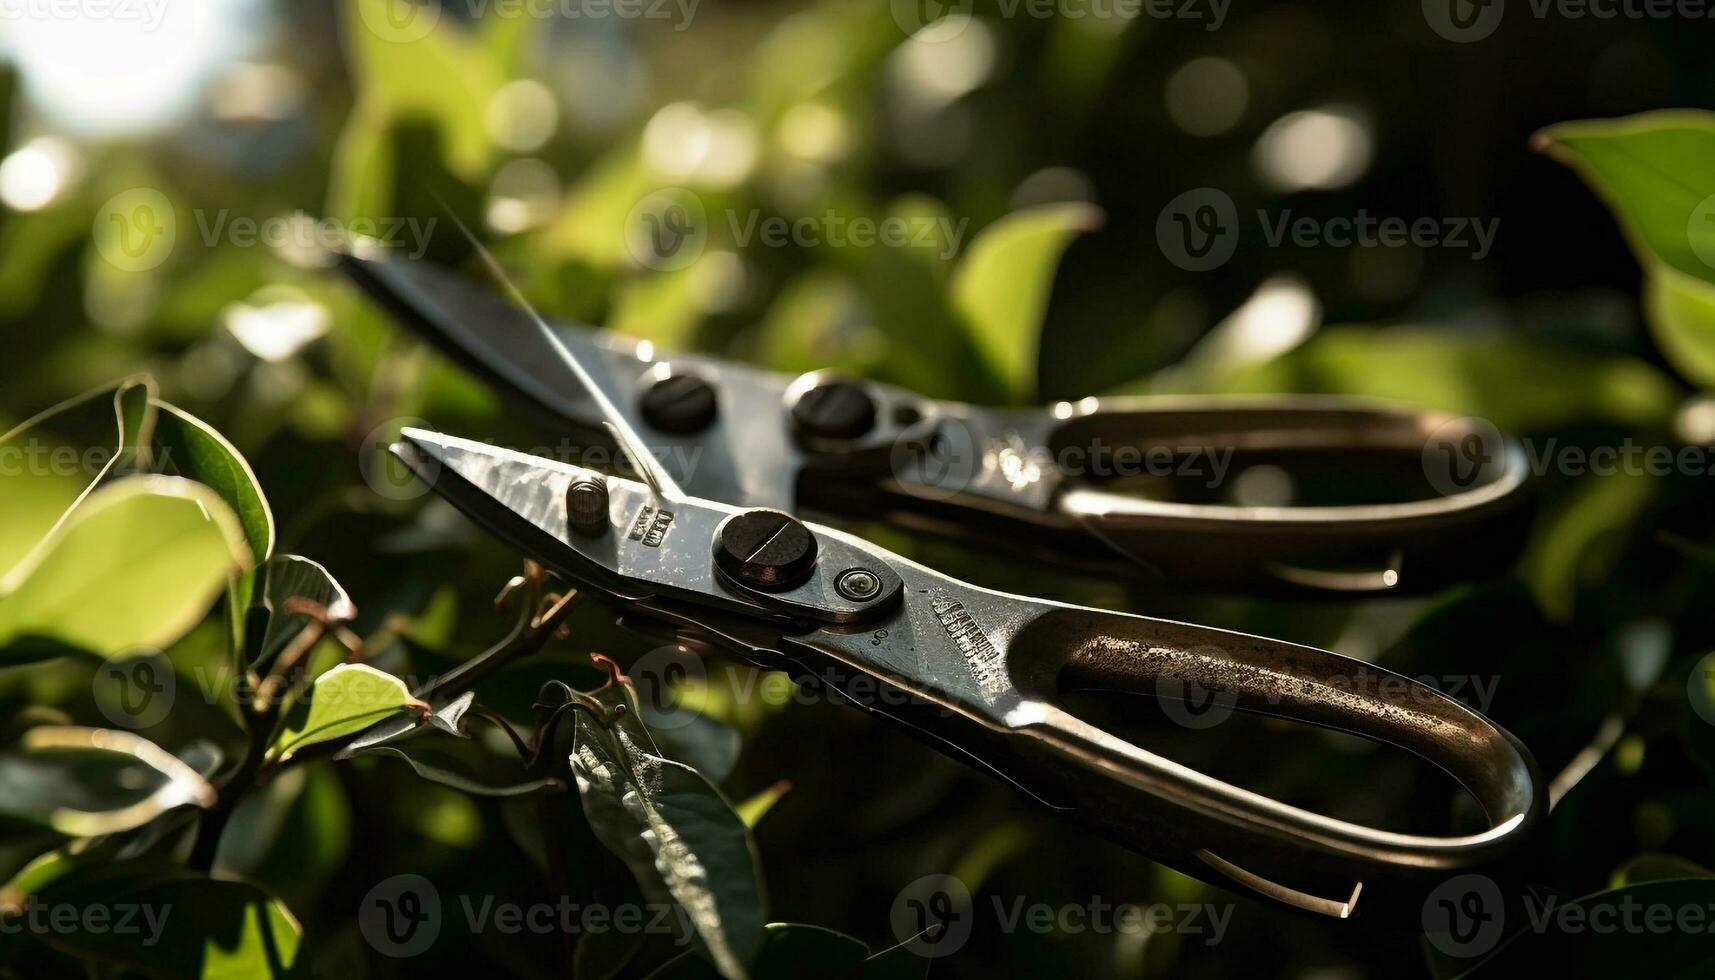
point(1656, 172)
point(288, 577)
point(680, 838)
point(85, 782)
point(186, 926)
point(37, 489)
point(194, 450)
point(136, 565)
point(1001, 287)
point(344, 701)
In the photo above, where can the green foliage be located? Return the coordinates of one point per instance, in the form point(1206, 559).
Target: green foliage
point(331, 733)
point(1653, 171)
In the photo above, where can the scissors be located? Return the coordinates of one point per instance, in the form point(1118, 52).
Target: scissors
point(983, 675)
point(1052, 486)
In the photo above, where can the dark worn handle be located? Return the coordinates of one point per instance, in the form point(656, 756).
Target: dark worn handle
point(1189, 818)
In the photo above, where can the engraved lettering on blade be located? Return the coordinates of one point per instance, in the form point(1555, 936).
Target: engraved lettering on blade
point(651, 526)
point(979, 653)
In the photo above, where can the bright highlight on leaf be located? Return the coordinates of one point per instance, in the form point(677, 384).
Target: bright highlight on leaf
point(85, 782)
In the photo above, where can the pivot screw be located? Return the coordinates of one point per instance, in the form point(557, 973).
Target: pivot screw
point(858, 584)
point(586, 507)
point(766, 549)
point(834, 409)
point(679, 404)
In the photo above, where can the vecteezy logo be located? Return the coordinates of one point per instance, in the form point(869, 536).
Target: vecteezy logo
point(384, 473)
point(931, 20)
point(937, 459)
point(136, 688)
point(1465, 916)
point(136, 229)
point(1463, 21)
point(656, 674)
point(1190, 704)
point(1459, 453)
point(1700, 688)
point(1198, 230)
point(401, 21)
point(667, 230)
point(1700, 230)
point(401, 916)
point(933, 916)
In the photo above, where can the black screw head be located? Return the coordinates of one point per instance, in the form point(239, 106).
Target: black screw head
point(679, 404)
point(766, 549)
point(586, 507)
point(834, 409)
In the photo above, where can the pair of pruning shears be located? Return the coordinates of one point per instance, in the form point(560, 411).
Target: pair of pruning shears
point(1439, 495)
point(715, 555)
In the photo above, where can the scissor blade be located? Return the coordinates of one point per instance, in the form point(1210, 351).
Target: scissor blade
point(520, 498)
point(647, 549)
point(491, 338)
point(745, 457)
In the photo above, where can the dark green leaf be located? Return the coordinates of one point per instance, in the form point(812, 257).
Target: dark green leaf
point(683, 841)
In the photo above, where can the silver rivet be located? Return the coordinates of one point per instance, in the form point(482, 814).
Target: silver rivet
point(858, 584)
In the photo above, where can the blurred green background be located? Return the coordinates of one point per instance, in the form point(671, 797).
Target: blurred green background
point(1053, 144)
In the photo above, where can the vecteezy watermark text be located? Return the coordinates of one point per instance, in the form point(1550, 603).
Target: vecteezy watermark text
point(404, 21)
point(138, 229)
point(934, 916)
point(1464, 21)
point(933, 20)
point(145, 12)
point(1200, 229)
point(1466, 916)
point(669, 229)
point(37, 917)
point(403, 915)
